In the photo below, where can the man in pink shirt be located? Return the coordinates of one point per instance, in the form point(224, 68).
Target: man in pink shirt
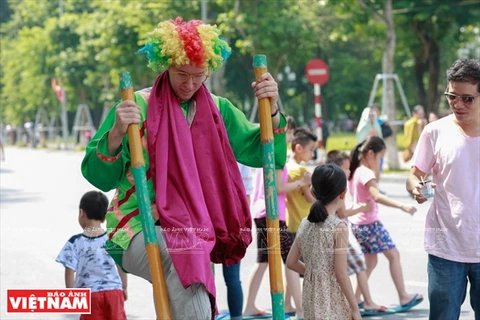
point(450, 149)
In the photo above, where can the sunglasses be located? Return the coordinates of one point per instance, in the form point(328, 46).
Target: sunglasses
point(465, 99)
point(196, 78)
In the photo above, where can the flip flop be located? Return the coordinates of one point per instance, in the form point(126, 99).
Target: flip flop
point(291, 313)
point(375, 312)
point(410, 305)
point(360, 304)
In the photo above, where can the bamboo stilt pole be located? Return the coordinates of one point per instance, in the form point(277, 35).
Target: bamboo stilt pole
point(273, 228)
point(160, 293)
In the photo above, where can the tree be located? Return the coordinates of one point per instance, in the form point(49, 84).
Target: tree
point(425, 25)
point(387, 68)
point(287, 32)
point(93, 40)
point(5, 11)
point(25, 76)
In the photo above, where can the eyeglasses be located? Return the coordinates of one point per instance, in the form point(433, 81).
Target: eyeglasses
point(196, 78)
point(465, 99)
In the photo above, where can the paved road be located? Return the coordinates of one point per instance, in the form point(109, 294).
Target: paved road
point(39, 194)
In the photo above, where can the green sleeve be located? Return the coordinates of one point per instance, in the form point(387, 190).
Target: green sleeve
point(245, 140)
point(101, 170)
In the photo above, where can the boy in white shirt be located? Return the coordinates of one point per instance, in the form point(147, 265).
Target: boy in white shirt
point(88, 265)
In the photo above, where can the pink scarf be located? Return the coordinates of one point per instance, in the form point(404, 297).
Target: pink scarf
point(200, 197)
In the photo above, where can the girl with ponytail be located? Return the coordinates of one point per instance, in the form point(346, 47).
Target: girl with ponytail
point(322, 240)
point(372, 236)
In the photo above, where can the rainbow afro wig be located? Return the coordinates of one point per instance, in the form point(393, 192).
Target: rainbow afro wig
point(176, 42)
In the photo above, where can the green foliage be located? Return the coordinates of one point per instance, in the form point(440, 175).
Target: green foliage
point(5, 11)
point(25, 75)
point(428, 35)
point(84, 44)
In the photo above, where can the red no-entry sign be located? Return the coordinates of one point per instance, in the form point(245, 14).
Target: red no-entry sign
point(317, 71)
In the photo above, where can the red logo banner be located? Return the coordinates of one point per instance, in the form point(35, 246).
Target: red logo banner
point(49, 301)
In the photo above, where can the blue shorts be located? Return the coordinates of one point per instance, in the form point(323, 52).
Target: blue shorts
point(373, 238)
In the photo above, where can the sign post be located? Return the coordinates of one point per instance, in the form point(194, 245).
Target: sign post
point(60, 92)
point(317, 74)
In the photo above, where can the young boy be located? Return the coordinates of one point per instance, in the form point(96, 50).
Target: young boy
point(88, 265)
point(355, 260)
point(299, 200)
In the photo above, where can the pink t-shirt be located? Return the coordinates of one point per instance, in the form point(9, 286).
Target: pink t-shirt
point(452, 227)
point(360, 194)
point(258, 202)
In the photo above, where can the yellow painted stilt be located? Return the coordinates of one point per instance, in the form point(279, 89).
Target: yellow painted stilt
point(273, 229)
point(160, 293)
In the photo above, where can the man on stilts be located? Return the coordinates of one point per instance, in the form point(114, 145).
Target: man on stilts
point(191, 140)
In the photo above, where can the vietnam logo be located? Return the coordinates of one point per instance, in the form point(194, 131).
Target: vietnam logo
point(49, 301)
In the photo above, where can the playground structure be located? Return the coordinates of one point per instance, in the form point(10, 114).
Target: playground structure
point(384, 77)
point(47, 128)
point(40, 128)
point(105, 112)
point(54, 128)
point(83, 123)
point(388, 110)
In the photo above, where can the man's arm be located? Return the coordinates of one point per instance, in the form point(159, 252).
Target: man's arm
point(267, 87)
point(244, 137)
point(107, 155)
point(276, 119)
point(424, 158)
point(413, 183)
point(102, 166)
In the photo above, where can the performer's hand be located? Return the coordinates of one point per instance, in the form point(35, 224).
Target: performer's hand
point(126, 113)
point(267, 87)
point(125, 294)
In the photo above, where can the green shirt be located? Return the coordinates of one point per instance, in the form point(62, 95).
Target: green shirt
point(107, 173)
